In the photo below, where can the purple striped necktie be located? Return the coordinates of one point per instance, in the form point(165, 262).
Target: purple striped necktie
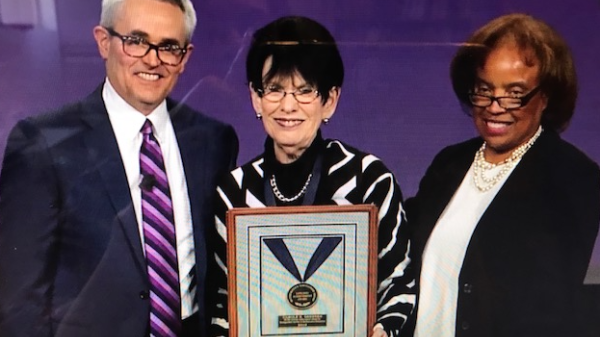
point(159, 239)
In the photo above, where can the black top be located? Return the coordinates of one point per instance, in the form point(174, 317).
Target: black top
point(291, 177)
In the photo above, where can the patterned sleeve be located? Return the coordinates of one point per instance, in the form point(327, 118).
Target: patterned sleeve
point(396, 292)
point(226, 199)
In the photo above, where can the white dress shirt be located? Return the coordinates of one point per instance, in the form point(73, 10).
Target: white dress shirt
point(127, 123)
point(444, 254)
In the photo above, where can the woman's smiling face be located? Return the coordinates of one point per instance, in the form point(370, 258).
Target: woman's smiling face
point(292, 125)
point(508, 71)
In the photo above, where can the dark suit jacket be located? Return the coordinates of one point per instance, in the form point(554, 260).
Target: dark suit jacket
point(71, 259)
point(526, 261)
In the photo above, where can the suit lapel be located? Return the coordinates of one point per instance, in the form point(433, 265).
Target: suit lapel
point(192, 140)
point(446, 178)
point(101, 142)
point(526, 178)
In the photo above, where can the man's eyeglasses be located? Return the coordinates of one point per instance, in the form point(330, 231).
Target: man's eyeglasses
point(505, 102)
point(135, 46)
point(275, 95)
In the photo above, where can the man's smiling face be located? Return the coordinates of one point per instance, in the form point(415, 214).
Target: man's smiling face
point(143, 82)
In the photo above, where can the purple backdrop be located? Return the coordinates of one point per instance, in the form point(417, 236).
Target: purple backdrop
point(396, 102)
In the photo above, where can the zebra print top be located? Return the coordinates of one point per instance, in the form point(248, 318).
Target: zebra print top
point(348, 177)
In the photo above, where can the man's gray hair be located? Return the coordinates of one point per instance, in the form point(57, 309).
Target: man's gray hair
point(110, 10)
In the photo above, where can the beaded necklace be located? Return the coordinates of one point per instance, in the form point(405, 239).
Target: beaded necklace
point(481, 167)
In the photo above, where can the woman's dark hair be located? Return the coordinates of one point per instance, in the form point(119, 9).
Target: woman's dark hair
point(297, 45)
point(557, 77)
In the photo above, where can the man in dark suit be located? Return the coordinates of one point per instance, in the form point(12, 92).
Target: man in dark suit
point(78, 253)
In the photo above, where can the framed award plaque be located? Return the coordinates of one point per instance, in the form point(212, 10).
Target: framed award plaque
point(302, 270)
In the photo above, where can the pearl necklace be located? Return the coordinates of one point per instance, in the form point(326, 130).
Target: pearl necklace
point(280, 195)
point(482, 167)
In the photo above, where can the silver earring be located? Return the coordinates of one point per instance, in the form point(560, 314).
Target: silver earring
point(258, 115)
point(326, 121)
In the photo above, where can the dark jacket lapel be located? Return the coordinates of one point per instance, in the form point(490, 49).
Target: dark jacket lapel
point(100, 139)
point(190, 137)
point(442, 179)
point(527, 180)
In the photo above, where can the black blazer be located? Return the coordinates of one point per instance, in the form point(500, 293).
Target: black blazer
point(71, 259)
point(525, 263)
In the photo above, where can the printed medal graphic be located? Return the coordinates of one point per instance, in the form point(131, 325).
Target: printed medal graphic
point(302, 295)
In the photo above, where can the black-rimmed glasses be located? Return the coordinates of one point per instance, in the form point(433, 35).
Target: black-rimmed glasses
point(135, 46)
point(505, 102)
point(275, 95)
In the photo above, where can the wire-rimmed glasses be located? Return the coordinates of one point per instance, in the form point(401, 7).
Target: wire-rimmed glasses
point(275, 95)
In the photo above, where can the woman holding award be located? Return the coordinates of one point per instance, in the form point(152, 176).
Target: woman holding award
point(295, 74)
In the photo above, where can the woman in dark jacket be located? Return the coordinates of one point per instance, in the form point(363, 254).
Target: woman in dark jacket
point(504, 224)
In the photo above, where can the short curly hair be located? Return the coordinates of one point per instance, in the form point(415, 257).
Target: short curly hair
point(557, 76)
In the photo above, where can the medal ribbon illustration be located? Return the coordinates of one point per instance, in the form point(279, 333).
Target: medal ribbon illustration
point(278, 247)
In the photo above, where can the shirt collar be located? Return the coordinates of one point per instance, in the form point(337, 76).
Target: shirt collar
point(127, 120)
